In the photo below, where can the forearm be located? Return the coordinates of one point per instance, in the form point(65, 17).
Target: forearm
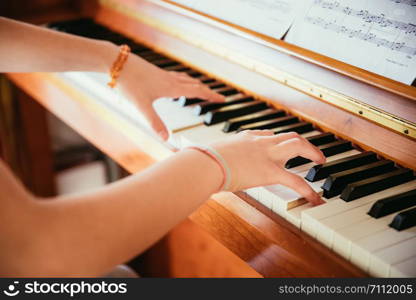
point(28, 48)
point(88, 234)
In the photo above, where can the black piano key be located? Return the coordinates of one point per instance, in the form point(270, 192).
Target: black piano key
point(205, 107)
point(335, 148)
point(193, 73)
point(330, 149)
point(184, 101)
point(177, 68)
point(226, 91)
point(80, 22)
point(216, 85)
point(296, 161)
point(322, 171)
point(85, 28)
point(392, 204)
point(336, 182)
point(375, 184)
point(321, 139)
point(166, 62)
point(272, 123)
point(233, 111)
point(404, 220)
point(113, 37)
point(235, 123)
point(205, 79)
point(301, 127)
point(152, 56)
point(148, 52)
point(137, 49)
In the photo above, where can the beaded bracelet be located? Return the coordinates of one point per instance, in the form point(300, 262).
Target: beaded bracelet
point(118, 65)
point(212, 153)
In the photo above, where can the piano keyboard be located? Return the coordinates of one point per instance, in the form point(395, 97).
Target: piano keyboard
point(369, 214)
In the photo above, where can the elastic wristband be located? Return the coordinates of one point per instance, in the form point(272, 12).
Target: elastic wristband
point(211, 152)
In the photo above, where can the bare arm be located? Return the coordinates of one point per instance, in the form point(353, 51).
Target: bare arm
point(29, 48)
point(88, 234)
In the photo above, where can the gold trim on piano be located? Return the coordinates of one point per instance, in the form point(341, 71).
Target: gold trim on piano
point(340, 100)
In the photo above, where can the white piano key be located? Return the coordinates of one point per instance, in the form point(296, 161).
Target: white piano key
point(381, 261)
point(327, 226)
point(201, 134)
point(277, 202)
point(234, 97)
point(406, 268)
point(310, 133)
point(294, 215)
point(312, 217)
point(254, 193)
point(94, 85)
point(345, 237)
point(172, 114)
point(363, 249)
point(282, 197)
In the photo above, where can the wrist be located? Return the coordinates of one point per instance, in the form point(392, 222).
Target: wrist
point(106, 56)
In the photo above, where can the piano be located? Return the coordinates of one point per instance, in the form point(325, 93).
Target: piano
point(364, 123)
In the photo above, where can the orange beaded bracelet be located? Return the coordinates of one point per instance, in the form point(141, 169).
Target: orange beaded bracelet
point(118, 65)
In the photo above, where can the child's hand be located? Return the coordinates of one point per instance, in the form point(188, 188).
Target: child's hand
point(143, 83)
point(257, 158)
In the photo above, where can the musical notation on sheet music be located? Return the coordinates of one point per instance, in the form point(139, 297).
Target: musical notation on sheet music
point(376, 35)
point(408, 2)
point(269, 17)
point(366, 36)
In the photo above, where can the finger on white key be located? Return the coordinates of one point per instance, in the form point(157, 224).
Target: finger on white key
point(300, 186)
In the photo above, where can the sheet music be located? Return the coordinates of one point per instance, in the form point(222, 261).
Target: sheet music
point(376, 35)
point(270, 17)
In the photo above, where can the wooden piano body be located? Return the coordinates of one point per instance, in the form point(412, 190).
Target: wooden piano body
point(373, 112)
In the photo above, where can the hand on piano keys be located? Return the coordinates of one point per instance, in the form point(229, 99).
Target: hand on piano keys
point(143, 82)
point(258, 158)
